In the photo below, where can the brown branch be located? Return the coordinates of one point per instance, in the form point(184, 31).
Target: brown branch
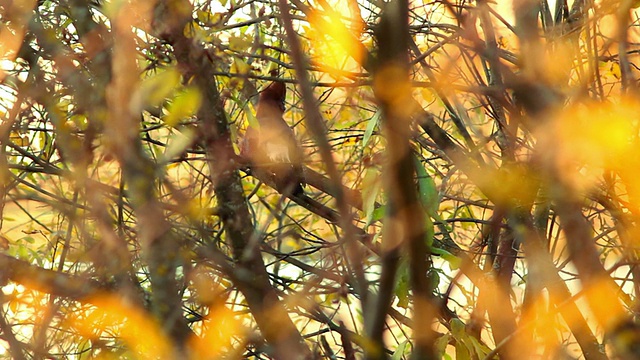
point(543, 268)
point(158, 243)
point(624, 17)
point(318, 129)
point(313, 178)
point(404, 230)
point(59, 284)
point(587, 261)
point(252, 280)
point(16, 348)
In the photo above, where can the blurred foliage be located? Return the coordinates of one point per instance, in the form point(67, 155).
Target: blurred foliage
point(520, 123)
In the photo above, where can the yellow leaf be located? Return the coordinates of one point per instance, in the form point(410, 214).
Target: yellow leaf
point(221, 329)
point(203, 16)
point(216, 19)
point(503, 42)
point(240, 66)
point(239, 43)
point(610, 68)
point(597, 133)
point(333, 49)
point(155, 89)
point(132, 325)
point(20, 140)
point(427, 95)
point(591, 137)
point(185, 104)
point(80, 121)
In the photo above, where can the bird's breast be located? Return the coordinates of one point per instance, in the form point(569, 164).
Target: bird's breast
point(277, 152)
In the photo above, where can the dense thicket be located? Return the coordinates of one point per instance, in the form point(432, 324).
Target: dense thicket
point(471, 169)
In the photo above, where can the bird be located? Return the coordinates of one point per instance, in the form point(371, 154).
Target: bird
point(272, 145)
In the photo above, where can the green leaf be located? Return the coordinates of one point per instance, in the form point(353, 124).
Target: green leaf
point(378, 213)
point(427, 189)
point(253, 121)
point(480, 349)
point(458, 332)
point(433, 279)
point(429, 231)
point(248, 110)
point(462, 352)
point(457, 328)
point(454, 261)
point(402, 285)
point(400, 350)
point(464, 211)
point(371, 125)
point(440, 345)
point(22, 252)
point(371, 184)
point(84, 349)
point(80, 121)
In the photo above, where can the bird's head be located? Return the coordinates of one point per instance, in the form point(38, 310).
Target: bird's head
point(274, 93)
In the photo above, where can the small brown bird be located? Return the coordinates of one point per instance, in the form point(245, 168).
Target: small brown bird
point(273, 145)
